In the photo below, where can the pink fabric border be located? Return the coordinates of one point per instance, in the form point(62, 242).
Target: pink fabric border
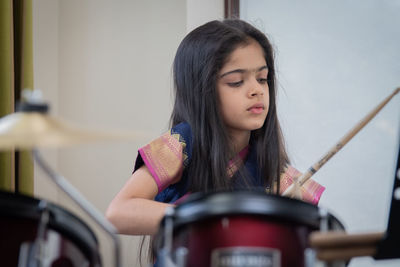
point(152, 171)
point(317, 195)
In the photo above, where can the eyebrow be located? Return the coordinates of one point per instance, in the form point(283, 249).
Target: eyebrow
point(243, 71)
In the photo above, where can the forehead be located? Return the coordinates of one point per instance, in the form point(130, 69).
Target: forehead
point(248, 56)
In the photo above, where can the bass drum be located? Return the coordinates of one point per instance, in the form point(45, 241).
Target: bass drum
point(244, 228)
point(67, 241)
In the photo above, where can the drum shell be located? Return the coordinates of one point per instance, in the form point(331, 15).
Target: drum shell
point(245, 221)
point(68, 240)
point(203, 237)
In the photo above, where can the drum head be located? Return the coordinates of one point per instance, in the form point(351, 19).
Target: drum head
point(199, 206)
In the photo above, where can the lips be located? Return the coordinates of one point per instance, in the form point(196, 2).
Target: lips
point(256, 108)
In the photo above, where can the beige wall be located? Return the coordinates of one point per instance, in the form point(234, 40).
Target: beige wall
point(199, 12)
point(108, 65)
point(45, 60)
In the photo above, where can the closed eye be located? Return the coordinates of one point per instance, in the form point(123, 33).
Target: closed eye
point(262, 81)
point(235, 84)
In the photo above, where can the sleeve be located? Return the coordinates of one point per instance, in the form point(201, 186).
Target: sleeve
point(311, 191)
point(166, 156)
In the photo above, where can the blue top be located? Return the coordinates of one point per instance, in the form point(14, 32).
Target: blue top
point(175, 191)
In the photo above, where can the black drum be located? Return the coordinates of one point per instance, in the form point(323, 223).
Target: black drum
point(66, 241)
point(243, 229)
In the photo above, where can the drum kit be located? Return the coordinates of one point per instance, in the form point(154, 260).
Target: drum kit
point(221, 229)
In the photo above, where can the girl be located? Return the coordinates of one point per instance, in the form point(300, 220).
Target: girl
point(225, 132)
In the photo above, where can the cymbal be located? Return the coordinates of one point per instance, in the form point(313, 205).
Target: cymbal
point(26, 130)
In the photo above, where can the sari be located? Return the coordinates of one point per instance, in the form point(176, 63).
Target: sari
point(168, 156)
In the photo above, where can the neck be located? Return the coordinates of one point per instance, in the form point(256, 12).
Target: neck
point(240, 139)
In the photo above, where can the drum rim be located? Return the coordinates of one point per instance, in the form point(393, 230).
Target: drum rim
point(202, 206)
point(61, 220)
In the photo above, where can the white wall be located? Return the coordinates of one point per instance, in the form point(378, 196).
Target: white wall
point(108, 65)
point(337, 60)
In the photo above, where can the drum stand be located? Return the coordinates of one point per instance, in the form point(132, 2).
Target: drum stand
point(85, 205)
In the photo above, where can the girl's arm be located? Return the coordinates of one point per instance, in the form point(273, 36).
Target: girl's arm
point(133, 210)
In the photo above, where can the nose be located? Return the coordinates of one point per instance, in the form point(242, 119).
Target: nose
point(255, 89)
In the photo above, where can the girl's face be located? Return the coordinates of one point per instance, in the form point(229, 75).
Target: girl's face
point(243, 89)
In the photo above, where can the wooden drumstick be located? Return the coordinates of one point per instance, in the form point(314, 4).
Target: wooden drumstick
point(345, 254)
point(341, 239)
point(334, 246)
point(290, 191)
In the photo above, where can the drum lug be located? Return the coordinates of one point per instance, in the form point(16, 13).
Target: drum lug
point(180, 256)
point(164, 259)
point(324, 226)
point(40, 241)
point(165, 256)
point(324, 220)
point(309, 257)
point(34, 254)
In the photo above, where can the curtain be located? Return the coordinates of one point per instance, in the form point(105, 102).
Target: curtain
point(16, 73)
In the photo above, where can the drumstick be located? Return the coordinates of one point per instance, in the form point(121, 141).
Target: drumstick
point(340, 239)
point(342, 142)
point(344, 254)
point(342, 246)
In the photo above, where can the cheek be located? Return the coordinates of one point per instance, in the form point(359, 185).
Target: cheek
point(267, 105)
point(225, 99)
point(226, 108)
point(232, 104)
point(223, 104)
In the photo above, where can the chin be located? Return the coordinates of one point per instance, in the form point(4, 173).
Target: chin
point(256, 126)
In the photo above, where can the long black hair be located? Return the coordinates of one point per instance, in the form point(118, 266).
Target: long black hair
point(198, 61)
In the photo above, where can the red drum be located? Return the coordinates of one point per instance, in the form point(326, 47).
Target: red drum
point(245, 229)
point(66, 240)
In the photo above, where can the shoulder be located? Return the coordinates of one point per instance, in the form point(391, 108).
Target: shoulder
point(182, 132)
point(182, 129)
